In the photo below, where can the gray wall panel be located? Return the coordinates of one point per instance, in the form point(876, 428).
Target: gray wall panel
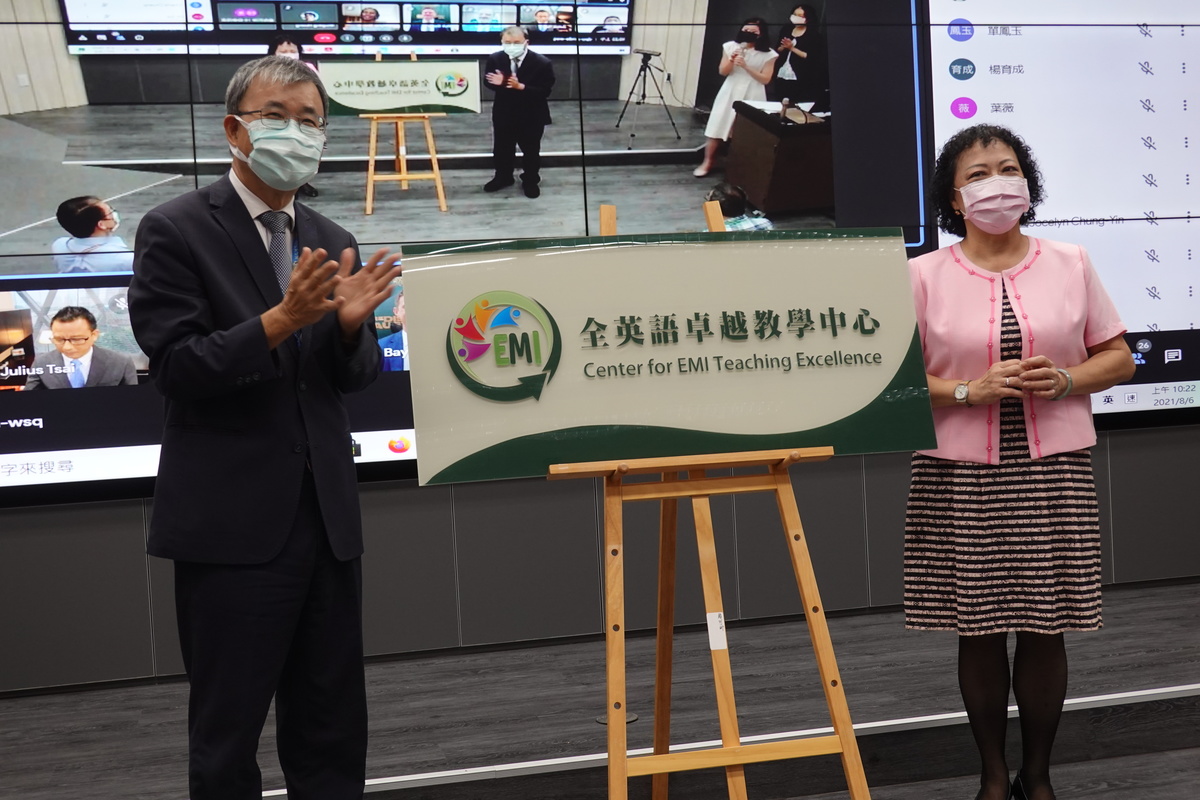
point(1153, 480)
point(886, 479)
point(829, 495)
point(168, 660)
point(528, 560)
point(520, 560)
point(74, 595)
point(409, 597)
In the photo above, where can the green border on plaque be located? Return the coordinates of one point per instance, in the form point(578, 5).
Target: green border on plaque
point(883, 425)
point(336, 109)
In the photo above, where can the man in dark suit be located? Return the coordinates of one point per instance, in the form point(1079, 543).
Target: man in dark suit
point(522, 80)
point(427, 19)
point(83, 363)
point(253, 336)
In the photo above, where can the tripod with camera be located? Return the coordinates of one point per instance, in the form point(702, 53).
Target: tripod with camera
point(646, 70)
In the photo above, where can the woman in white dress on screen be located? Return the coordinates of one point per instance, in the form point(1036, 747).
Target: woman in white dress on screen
point(747, 64)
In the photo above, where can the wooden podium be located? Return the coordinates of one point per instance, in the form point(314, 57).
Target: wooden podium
point(781, 167)
point(684, 476)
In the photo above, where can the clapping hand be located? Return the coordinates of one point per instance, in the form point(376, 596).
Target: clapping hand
point(495, 78)
point(357, 294)
point(307, 298)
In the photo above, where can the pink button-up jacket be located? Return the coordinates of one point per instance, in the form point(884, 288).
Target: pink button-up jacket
point(1062, 310)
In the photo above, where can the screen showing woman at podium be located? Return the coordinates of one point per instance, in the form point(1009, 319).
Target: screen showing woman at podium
point(746, 63)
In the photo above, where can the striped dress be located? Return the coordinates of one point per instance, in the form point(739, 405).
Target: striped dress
point(1013, 546)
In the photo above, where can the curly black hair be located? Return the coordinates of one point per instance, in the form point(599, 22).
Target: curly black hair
point(942, 185)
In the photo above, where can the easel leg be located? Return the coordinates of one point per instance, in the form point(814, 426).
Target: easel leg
point(371, 151)
point(401, 155)
point(614, 639)
point(433, 163)
point(664, 654)
point(735, 776)
point(818, 630)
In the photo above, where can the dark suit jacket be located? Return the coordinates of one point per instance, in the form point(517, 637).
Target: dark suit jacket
point(109, 368)
point(528, 105)
point(242, 420)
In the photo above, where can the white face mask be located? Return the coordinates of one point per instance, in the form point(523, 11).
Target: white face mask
point(294, 56)
point(798, 20)
point(514, 50)
point(995, 204)
point(115, 219)
point(284, 159)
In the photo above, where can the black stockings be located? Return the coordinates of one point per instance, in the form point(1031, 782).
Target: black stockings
point(1040, 686)
point(983, 680)
point(1039, 681)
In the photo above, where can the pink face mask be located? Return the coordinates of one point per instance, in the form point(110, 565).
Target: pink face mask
point(996, 203)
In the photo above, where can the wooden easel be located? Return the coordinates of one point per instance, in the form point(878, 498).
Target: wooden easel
point(713, 217)
point(732, 754)
point(402, 174)
point(608, 220)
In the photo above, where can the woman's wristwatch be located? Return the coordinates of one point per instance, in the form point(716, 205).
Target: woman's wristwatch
point(960, 393)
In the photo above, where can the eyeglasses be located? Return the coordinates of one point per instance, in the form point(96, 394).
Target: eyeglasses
point(74, 341)
point(277, 121)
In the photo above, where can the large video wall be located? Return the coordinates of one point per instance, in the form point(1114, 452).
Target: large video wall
point(636, 86)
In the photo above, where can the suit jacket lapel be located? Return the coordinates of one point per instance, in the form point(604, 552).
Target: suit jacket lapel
point(97, 369)
point(231, 214)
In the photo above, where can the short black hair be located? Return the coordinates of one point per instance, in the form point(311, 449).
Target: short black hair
point(942, 186)
point(763, 43)
point(72, 313)
point(732, 199)
point(281, 40)
point(79, 216)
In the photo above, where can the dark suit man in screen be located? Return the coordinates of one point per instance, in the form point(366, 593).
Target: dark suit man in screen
point(253, 335)
point(82, 363)
point(522, 80)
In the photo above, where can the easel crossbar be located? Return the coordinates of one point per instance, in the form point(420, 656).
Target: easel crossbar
point(642, 466)
point(407, 176)
point(729, 756)
point(699, 487)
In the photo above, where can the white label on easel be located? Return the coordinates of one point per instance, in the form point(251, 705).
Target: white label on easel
point(716, 631)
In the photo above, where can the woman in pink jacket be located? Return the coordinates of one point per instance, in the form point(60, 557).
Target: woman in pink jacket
point(1002, 529)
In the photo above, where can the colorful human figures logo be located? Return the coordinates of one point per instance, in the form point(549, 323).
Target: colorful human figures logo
point(504, 346)
point(452, 84)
